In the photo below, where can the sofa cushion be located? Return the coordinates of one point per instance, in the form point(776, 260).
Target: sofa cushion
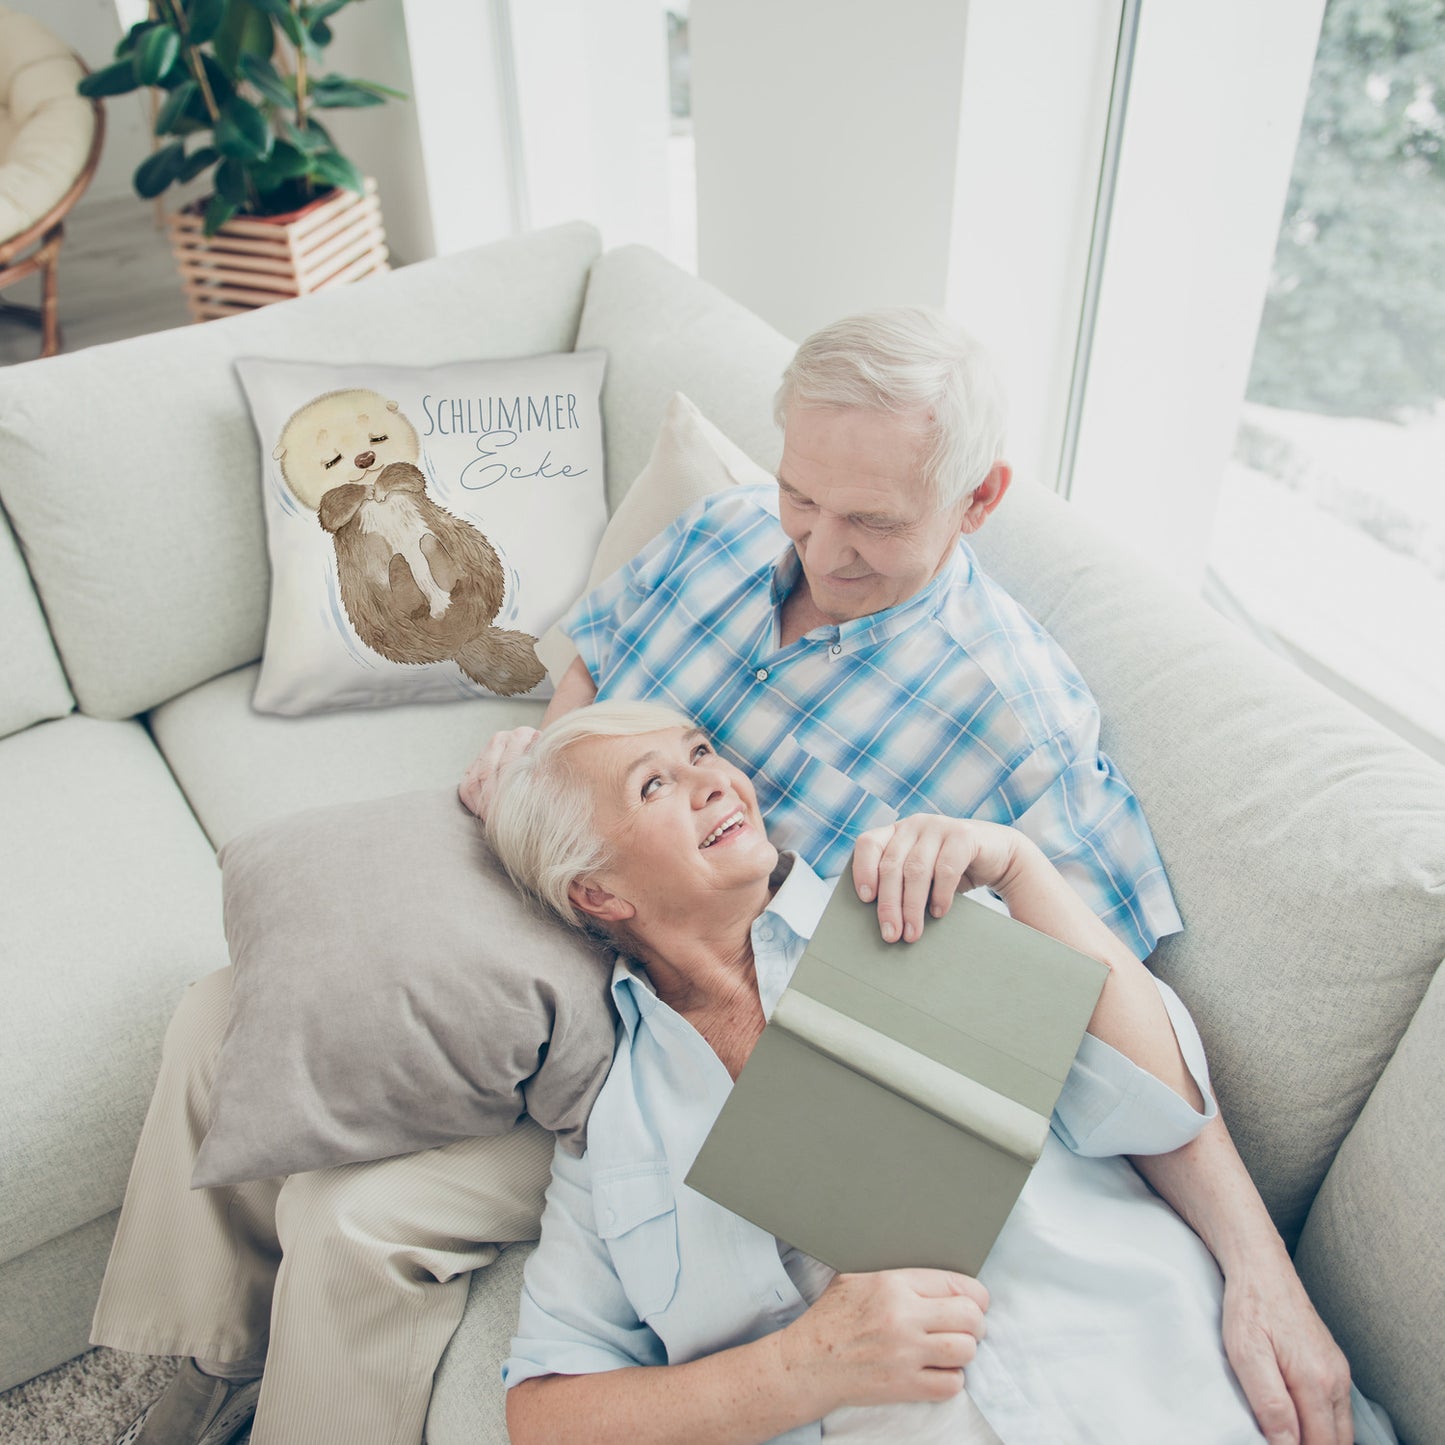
point(393, 993)
point(425, 524)
point(664, 331)
point(47, 1297)
point(239, 768)
point(130, 471)
point(32, 683)
point(691, 459)
point(110, 906)
point(468, 1404)
point(1301, 840)
point(1372, 1254)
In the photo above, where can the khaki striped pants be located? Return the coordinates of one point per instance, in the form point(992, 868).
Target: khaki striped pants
point(350, 1281)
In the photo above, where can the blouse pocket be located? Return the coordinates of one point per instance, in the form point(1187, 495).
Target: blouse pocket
point(637, 1217)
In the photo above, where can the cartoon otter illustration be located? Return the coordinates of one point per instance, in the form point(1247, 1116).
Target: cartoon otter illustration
point(419, 584)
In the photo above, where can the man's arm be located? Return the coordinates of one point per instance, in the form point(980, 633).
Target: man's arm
point(1295, 1377)
point(575, 690)
point(475, 789)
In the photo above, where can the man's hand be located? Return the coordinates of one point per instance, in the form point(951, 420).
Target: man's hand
point(1295, 1377)
point(475, 788)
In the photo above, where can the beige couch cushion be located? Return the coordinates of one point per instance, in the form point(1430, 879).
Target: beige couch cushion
point(150, 559)
point(239, 768)
point(110, 905)
point(664, 332)
point(32, 683)
point(1373, 1250)
point(1302, 841)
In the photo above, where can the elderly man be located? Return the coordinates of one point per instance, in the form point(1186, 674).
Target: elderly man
point(838, 640)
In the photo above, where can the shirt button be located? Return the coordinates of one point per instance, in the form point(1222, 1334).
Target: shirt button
point(761, 674)
point(836, 648)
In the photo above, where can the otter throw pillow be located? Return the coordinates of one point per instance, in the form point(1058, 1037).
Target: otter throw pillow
point(426, 524)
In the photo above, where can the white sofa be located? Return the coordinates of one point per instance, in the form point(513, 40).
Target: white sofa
point(1306, 846)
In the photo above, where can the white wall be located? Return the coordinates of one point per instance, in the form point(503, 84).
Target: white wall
point(1036, 84)
point(593, 115)
point(931, 152)
point(460, 146)
point(827, 147)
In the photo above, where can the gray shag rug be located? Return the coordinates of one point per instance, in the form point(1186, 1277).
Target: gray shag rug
point(86, 1402)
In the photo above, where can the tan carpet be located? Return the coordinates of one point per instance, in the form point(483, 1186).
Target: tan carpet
point(86, 1402)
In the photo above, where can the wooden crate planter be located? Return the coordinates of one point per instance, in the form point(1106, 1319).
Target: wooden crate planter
point(255, 260)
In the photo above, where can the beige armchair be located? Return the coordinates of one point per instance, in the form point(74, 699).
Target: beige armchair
point(50, 140)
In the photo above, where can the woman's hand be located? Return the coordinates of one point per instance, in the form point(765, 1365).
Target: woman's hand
point(918, 864)
point(897, 1335)
point(475, 788)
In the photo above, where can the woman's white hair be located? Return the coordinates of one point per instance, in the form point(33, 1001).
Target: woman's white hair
point(542, 823)
point(908, 360)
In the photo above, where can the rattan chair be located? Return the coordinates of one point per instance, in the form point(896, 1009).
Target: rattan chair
point(50, 139)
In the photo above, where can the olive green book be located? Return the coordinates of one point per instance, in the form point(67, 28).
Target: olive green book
point(900, 1094)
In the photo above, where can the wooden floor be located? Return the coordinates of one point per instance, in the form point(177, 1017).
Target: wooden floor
point(117, 279)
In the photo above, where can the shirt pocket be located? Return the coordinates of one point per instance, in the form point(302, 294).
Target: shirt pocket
point(636, 1212)
point(818, 810)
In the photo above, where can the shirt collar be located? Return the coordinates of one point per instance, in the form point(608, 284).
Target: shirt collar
point(878, 626)
point(779, 933)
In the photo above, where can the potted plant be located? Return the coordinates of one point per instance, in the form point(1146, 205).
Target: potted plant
point(239, 85)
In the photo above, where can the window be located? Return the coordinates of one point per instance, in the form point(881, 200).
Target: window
point(1330, 528)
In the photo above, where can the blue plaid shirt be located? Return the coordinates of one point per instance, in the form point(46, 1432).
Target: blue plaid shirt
point(954, 702)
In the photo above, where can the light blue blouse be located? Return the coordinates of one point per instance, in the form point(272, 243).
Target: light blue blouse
point(1105, 1316)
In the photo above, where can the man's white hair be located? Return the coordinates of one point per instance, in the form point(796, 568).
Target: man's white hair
point(542, 821)
point(908, 360)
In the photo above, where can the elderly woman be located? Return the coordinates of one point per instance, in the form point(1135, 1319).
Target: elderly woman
point(653, 1314)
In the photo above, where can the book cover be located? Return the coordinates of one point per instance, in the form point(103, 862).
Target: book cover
point(900, 1094)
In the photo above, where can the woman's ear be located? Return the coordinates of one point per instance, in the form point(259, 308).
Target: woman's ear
point(596, 902)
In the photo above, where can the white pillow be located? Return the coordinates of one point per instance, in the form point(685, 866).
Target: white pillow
point(425, 524)
point(691, 459)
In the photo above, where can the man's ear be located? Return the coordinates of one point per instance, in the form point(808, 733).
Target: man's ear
point(986, 496)
point(596, 902)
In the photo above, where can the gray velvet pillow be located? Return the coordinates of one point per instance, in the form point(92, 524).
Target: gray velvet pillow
point(393, 992)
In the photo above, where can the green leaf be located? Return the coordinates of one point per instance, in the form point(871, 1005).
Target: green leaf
point(157, 171)
point(131, 38)
point(157, 52)
point(197, 161)
point(278, 89)
point(231, 182)
point(377, 88)
point(222, 85)
point(244, 31)
point(287, 163)
point(320, 35)
point(313, 140)
point(174, 110)
point(117, 79)
point(333, 168)
point(285, 17)
point(218, 213)
point(203, 19)
point(333, 92)
point(242, 132)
